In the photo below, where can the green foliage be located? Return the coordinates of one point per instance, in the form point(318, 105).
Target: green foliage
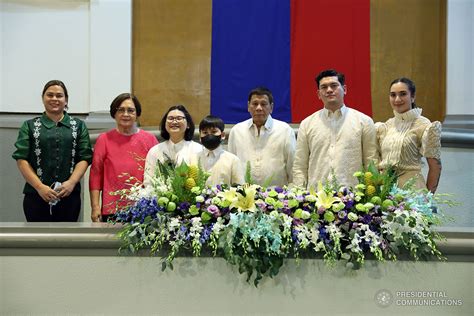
point(178, 181)
point(176, 176)
point(248, 174)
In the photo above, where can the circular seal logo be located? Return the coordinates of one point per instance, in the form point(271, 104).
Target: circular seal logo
point(383, 298)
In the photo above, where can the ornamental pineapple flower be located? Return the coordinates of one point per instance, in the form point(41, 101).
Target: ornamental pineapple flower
point(368, 176)
point(193, 172)
point(370, 190)
point(189, 183)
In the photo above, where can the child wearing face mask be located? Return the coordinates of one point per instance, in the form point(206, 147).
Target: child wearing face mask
point(223, 166)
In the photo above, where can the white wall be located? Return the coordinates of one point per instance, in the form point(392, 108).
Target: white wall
point(107, 285)
point(460, 51)
point(87, 44)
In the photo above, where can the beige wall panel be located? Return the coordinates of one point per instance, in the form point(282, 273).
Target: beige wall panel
point(408, 38)
point(172, 48)
point(171, 56)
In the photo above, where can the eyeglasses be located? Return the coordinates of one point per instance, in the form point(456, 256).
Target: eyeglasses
point(175, 118)
point(126, 110)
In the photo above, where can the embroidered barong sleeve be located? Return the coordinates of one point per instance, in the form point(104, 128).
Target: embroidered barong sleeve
point(369, 143)
point(223, 167)
point(431, 141)
point(231, 143)
point(151, 162)
point(290, 148)
point(237, 172)
point(300, 165)
point(381, 130)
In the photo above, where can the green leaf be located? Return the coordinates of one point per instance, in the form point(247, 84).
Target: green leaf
point(248, 174)
point(206, 217)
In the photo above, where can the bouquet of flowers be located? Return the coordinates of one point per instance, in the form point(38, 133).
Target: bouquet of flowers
point(256, 228)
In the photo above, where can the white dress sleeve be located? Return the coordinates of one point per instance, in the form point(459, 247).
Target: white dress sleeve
point(431, 141)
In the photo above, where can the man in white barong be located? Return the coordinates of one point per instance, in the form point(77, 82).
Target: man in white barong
point(265, 143)
point(334, 141)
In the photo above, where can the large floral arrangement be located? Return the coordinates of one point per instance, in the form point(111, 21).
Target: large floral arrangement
point(256, 228)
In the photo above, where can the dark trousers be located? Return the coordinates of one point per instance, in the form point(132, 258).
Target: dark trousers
point(105, 218)
point(37, 210)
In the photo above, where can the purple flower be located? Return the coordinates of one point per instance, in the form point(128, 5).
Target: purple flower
point(140, 210)
point(206, 233)
point(184, 206)
point(278, 189)
point(297, 222)
point(225, 211)
point(342, 214)
point(324, 235)
point(294, 235)
point(377, 220)
point(366, 219)
point(261, 205)
point(349, 204)
point(214, 210)
point(321, 210)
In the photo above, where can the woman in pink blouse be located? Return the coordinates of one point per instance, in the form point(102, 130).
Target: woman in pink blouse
point(119, 157)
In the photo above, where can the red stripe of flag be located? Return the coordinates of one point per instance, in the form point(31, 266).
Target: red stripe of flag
point(329, 34)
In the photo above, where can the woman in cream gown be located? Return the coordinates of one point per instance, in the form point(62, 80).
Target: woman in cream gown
point(407, 137)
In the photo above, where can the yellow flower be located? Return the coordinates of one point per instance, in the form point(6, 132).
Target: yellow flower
point(368, 177)
point(193, 172)
point(247, 202)
point(190, 183)
point(370, 190)
point(324, 199)
point(229, 195)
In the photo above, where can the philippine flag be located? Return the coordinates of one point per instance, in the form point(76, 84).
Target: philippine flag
point(283, 45)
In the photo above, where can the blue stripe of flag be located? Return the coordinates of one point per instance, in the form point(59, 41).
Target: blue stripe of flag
point(250, 48)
